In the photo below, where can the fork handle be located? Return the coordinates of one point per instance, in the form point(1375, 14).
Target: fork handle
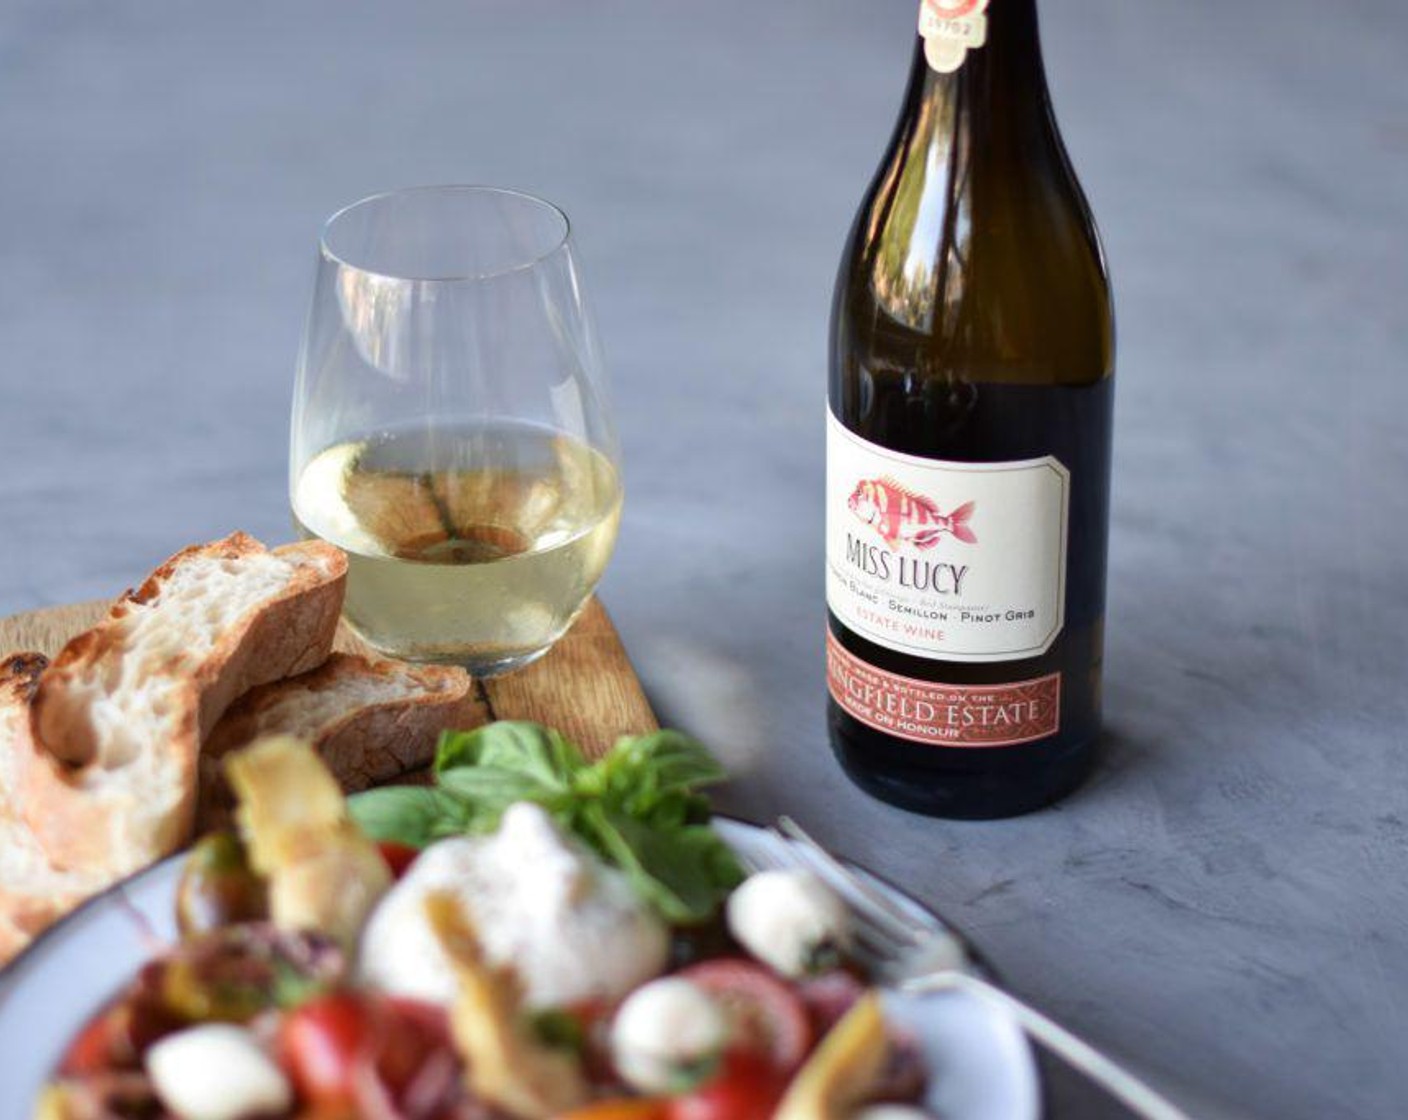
point(1076, 1052)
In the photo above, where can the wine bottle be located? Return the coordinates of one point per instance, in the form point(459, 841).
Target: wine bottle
point(968, 441)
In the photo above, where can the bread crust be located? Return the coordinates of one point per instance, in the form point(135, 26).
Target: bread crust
point(365, 742)
point(80, 814)
point(19, 677)
point(26, 907)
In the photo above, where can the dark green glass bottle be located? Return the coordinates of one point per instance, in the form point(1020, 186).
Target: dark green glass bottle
point(968, 455)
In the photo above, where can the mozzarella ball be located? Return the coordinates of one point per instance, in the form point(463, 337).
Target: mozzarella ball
point(790, 920)
point(667, 1036)
point(572, 927)
point(217, 1071)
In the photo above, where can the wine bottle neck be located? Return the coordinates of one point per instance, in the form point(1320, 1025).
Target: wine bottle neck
point(1003, 79)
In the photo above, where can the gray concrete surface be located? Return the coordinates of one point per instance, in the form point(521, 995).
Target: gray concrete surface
point(1226, 903)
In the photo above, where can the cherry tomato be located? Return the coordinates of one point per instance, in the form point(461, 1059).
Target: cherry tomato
point(324, 1043)
point(766, 1017)
point(321, 1044)
point(748, 1087)
point(428, 1020)
point(117, 1037)
point(410, 1031)
point(398, 857)
point(99, 1045)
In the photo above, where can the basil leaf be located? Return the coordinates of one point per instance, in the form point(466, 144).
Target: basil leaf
point(674, 810)
point(532, 750)
point(490, 790)
point(684, 873)
point(455, 748)
point(673, 760)
point(642, 772)
point(412, 815)
point(527, 748)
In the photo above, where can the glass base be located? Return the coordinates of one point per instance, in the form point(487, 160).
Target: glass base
point(481, 666)
point(483, 669)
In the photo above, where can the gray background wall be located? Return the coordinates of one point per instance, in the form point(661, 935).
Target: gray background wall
point(1225, 903)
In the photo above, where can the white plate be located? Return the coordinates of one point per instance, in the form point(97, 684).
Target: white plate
point(982, 1066)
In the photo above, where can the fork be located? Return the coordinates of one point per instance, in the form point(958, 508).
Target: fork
point(915, 952)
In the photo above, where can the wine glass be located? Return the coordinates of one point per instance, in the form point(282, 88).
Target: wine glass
point(450, 430)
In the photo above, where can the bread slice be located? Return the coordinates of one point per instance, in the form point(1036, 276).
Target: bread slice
point(369, 721)
point(108, 773)
point(33, 893)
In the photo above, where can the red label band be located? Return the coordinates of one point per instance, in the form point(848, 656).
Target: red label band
point(945, 715)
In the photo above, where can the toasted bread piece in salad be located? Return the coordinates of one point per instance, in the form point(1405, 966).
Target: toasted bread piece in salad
point(844, 1070)
point(323, 872)
point(507, 1065)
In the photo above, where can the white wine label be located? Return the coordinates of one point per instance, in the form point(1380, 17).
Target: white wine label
point(950, 561)
point(950, 715)
point(951, 28)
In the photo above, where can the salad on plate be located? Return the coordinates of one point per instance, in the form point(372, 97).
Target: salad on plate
point(534, 935)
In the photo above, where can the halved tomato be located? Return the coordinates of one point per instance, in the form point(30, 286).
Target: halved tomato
point(398, 857)
point(766, 1016)
point(322, 1043)
point(117, 1037)
point(100, 1045)
point(329, 1043)
point(747, 1087)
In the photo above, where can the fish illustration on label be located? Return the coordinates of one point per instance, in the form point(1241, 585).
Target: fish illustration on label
point(901, 516)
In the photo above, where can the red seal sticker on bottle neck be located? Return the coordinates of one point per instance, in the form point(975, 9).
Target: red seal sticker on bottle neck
point(943, 715)
point(950, 29)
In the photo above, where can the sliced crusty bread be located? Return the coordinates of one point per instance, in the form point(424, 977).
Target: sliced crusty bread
point(33, 893)
point(108, 779)
point(369, 721)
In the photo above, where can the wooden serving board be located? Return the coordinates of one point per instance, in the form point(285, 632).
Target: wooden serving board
point(584, 686)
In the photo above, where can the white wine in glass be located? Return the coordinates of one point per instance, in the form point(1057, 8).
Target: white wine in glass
point(450, 429)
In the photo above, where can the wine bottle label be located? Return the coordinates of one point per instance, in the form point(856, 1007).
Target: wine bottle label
point(944, 560)
point(1001, 715)
point(951, 28)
